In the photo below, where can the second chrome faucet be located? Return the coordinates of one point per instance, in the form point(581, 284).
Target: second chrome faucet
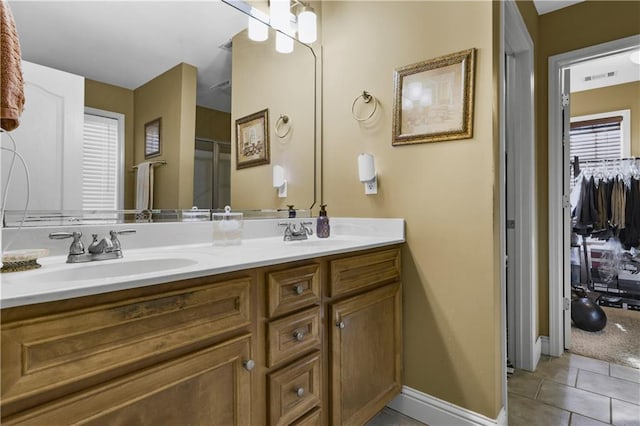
point(293, 234)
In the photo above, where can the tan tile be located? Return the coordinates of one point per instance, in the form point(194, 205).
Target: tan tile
point(609, 386)
point(579, 401)
point(583, 363)
point(626, 373)
point(578, 420)
point(524, 384)
point(529, 412)
point(558, 372)
point(623, 413)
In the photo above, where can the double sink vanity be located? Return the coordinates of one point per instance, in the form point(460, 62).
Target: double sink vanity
point(266, 332)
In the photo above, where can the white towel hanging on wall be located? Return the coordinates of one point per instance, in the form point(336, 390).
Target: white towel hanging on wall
point(144, 186)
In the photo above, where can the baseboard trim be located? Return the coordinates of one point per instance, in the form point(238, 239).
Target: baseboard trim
point(544, 345)
point(537, 352)
point(434, 411)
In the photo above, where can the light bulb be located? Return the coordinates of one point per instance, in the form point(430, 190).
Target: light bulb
point(258, 31)
point(307, 25)
point(279, 11)
point(284, 43)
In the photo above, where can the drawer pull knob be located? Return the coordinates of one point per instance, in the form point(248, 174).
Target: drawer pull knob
point(340, 324)
point(300, 392)
point(298, 335)
point(249, 364)
point(298, 289)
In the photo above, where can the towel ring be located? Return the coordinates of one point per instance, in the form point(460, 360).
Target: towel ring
point(280, 123)
point(366, 98)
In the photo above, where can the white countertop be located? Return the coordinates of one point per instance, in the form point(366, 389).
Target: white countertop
point(139, 267)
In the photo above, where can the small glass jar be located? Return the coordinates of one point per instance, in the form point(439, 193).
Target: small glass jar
point(227, 228)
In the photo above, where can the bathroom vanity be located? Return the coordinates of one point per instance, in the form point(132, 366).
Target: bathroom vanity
point(312, 341)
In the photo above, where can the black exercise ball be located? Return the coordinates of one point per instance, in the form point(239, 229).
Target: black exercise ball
point(587, 315)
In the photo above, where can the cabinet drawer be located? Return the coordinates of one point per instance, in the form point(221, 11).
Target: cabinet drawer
point(294, 390)
point(293, 289)
point(207, 387)
point(65, 350)
point(313, 418)
point(293, 335)
point(356, 272)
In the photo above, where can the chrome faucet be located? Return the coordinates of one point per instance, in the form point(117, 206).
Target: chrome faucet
point(98, 250)
point(293, 234)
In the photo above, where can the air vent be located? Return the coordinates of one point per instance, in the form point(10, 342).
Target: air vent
point(224, 86)
point(600, 76)
point(227, 46)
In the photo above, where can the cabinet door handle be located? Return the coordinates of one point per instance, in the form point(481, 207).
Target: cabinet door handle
point(300, 392)
point(298, 289)
point(249, 364)
point(298, 335)
point(340, 324)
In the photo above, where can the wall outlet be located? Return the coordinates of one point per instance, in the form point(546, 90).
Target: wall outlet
point(371, 188)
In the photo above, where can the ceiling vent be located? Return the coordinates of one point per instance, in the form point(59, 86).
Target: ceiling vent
point(227, 46)
point(600, 76)
point(224, 86)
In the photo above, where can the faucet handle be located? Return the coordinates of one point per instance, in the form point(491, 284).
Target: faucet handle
point(114, 237)
point(76, 246)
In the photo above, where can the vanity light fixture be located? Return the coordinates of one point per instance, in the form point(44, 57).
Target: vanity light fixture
point(279, 14)
point(284, 42)
point(635, 57)
point(307, 24)
point(367, 173)
point(279, 181)
point(258, 31)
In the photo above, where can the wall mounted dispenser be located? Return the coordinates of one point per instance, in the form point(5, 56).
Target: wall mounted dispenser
point(367, 173)
point(279, 181)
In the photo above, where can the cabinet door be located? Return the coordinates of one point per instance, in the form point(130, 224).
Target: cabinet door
point(208, 387)
point(366, 346)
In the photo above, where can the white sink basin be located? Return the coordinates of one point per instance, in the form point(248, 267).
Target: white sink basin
point(114, 268)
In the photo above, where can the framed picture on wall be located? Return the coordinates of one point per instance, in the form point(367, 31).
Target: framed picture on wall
point(152, 138)
point(433, 99)
point(252, 140)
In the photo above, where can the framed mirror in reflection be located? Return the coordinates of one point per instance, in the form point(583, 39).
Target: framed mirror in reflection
point(106, 69)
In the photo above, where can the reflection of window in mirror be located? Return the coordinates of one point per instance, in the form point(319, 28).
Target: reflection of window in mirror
point(152, 138)
point(102, 159)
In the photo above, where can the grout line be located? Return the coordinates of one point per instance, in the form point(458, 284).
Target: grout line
point(610, 410)
point(575, 384)
point(535, 396)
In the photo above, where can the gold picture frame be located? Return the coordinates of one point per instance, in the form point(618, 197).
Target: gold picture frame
point(152, 140)
point(433, 99)
point(252, 140)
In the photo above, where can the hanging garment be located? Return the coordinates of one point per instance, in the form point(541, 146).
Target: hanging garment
point(630, 236)
point(618, 203)
point(586, 213)
point(601, 207)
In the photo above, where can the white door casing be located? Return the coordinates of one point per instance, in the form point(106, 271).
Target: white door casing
point(555, 167)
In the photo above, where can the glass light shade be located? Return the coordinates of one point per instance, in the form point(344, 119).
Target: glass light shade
point(258, 31)
point(279, 12)
point(307, 26)
point(284, 43)
point(635, 57)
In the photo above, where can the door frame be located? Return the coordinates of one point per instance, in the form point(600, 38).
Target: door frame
point(555, 166)
point(520, 125)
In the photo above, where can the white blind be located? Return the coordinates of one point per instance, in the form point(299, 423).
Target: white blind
point(596, 139)
point(100, 163)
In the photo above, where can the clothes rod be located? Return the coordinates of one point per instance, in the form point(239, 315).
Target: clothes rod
point(153, 163)
point(609, 160)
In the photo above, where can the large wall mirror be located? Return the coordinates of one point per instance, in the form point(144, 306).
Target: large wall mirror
point(96, 72)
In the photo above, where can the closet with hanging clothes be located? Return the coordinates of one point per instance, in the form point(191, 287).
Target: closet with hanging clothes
point(605, 203)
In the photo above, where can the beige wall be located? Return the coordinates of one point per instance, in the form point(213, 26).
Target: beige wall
point(172, 97)
point(213, 124)
point(283, 84)
point(116, 99)
point(571, 28)
point(445, 191)
point(612, 98)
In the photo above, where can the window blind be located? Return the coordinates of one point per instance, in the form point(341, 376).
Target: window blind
point(598, 139)
point(100, 163)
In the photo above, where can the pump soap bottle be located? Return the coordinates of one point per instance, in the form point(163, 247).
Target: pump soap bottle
point(322, 225)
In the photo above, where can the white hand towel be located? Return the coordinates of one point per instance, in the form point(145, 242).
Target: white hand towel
point(143, 186)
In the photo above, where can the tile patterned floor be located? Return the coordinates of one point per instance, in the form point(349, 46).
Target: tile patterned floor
point(568, 391)
point(575, 391)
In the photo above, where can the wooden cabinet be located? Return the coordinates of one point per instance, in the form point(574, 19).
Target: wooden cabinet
point(366, 348)
point(314, 342)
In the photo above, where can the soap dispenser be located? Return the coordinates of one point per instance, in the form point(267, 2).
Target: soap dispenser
point(322, 225)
